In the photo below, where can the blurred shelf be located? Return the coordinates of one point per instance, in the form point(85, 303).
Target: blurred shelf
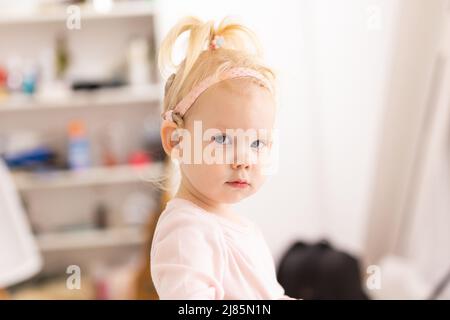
point(130, 9)
point(90, 239)
point(98, 176)
point(123, 96)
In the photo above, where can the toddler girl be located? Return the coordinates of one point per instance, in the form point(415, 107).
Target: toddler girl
point(219, 112)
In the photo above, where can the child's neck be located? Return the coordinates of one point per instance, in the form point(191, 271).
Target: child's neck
point(206, 204)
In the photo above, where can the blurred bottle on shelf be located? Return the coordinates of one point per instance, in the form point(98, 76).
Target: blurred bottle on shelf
point(62, 57)
point(113, 143)
point(49, 88)
point(138, 63)
point(101, 217)
point(30, 77)
point(14, 75)
point(78, 149)
point(152, 56)
point(53, 63)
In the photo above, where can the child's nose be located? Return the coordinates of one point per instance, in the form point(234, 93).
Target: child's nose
point(240, 165)
point(242, 159)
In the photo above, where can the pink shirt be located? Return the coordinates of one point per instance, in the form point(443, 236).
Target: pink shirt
point(200, 255)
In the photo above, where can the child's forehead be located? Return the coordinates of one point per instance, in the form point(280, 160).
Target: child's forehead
point(243, 88)
point(238, 117)
point(239, 130)
point(229, 107)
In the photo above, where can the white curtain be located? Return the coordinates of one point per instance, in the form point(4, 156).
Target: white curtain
point(427, 242)
point(410, 214)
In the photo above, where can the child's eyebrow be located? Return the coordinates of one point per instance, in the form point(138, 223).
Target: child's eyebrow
point(222, 128)
point(267, 135)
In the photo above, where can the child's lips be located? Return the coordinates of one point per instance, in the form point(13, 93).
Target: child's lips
point(241, 184)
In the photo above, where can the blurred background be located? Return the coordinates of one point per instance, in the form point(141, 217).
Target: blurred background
point(358, 208)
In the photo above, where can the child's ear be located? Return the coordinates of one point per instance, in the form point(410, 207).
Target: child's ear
point(169, 137)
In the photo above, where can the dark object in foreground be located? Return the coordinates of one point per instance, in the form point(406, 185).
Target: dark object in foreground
point(320, 272)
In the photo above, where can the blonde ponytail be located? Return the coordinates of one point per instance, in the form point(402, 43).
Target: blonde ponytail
point(200, 35)
point(239, 37)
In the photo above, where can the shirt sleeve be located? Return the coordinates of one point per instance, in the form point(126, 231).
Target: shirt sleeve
point(188, 258)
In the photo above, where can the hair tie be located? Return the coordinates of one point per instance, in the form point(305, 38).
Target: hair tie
point(217, 42)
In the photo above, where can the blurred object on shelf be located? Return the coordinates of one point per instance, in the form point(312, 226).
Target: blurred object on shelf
point(14, 74)
point(21, 141)
point(78, 148)
point(95, 85)
point(21, 79)
point(49, 87)
point(138, 62)
point(47, 63)
point(51, 93)
point(138, 207)
point(24, 150)
point(30, 78)
point(152, 138)
point(140, 157)
point(113, 142)
point(3, 83)
point(101, 217)
point(34, 159)
point(152, 56)
point(62, 57)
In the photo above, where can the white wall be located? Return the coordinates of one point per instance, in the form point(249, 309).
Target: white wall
point(350, 46)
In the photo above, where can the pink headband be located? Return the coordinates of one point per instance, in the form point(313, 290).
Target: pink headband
point(190, 98)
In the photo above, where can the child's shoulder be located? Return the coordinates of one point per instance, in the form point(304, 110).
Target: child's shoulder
point(181, 213)
point(184, 224)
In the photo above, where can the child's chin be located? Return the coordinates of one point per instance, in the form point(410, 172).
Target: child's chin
point(235, 198)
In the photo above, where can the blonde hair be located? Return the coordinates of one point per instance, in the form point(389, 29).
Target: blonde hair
point(241, 48)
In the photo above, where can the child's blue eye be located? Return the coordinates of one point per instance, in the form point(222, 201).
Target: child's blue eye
point(222, 139)
point(258, 144)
